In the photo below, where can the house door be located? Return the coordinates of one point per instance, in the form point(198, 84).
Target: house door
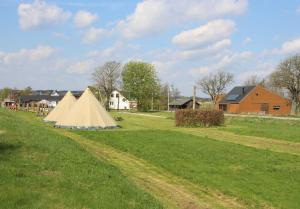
point(264, 107)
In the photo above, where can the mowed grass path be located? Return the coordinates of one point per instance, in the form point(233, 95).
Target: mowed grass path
point(257, 177)
point(40, 168)
point(270, 128)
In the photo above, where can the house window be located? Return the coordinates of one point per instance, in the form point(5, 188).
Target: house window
point(111, 103)
point(124, 100)
point(117, 95)
point(112, 95)
point(276, 107)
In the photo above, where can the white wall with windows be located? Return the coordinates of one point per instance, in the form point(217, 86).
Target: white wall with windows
point(118, 101)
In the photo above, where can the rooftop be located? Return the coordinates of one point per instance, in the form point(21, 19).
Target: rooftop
point(237, 94)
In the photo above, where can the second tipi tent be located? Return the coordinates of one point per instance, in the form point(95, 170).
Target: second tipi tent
point(87, 113)
point(62, 107)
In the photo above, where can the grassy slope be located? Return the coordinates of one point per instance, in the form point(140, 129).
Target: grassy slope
point(42, 169)
point(276, 129)
point(252, 175)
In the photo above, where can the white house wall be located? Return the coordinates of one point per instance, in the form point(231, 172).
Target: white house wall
point(123, 102)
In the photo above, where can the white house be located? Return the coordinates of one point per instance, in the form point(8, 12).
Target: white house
point(118, 101)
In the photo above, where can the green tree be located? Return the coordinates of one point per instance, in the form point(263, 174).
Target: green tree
point(106, 79)
point(27, 91)
point(287, 76)
point(4, 93)
point(141, 82)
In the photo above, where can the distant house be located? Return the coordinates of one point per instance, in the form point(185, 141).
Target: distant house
point(33, 100)
point(254, 99)
point(183, 104)
point(49, 98)
point(118, 102)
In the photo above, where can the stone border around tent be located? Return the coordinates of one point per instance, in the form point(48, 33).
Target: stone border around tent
point(87, 128)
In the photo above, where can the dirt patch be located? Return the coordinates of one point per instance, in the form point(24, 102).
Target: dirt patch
point(49, 173)
point(2, 131)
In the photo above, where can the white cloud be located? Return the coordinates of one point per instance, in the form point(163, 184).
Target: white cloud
point(28, 55)
point(287, 48)
point(247, 40)
point(262, 70)
point(60, 36)
point(153, 16)
point(84, 19)
point(225, 62)
point(206, 34)
point(95, 34)
point(210, 50)
point(81, 67)
point(116, 50)
point(39, 14)
point(290, 47)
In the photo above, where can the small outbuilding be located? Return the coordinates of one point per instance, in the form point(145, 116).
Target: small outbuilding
point(254, 99)
point(183, 104)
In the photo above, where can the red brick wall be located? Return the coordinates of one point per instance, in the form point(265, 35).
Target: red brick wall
point(258, 96)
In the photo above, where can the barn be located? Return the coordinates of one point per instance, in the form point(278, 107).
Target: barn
point(183, 104)
point(254, 99)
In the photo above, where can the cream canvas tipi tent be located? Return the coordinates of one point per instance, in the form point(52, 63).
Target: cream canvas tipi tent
point(87, 113)
point(63, 106)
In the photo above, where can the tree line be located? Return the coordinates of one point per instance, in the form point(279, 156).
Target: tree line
point(137, 81)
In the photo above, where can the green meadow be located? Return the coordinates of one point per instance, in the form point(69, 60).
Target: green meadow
point(149, 163)
point(41, 169)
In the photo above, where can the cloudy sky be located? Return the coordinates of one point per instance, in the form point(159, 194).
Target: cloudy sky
point(56, 44)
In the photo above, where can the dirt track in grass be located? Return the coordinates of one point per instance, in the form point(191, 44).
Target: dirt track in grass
point(171, 190)
point(250, 141)
point(276, 145)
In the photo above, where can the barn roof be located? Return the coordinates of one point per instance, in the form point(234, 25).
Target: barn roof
point(35, 98)
point(179, 102)
point(237, 94)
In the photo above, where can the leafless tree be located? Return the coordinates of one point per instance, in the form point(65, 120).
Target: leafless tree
point(254, 80)
point(215, 84)
point(287, 76)
point(106, 79)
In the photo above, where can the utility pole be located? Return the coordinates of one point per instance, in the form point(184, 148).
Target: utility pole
point(168, 98)
point(152, 102)
point(118, 96)
point(194, 98)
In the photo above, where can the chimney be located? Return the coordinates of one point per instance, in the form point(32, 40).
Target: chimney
point(243, 90)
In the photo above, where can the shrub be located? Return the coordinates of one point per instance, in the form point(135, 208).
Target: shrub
point(204, 118)
point(118, 118)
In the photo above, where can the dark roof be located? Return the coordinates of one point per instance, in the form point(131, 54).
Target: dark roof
point(75, 93)
point(36, 98)
point(42, 92)
point(60, 93)
point(180, 102)
point(237, 94)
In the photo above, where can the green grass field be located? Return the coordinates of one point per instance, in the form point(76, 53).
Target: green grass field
point(275, 129)
point(42, 169)
point(149, 163)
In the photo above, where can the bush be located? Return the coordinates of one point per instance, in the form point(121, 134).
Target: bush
point(204, 118)
point(118, 118)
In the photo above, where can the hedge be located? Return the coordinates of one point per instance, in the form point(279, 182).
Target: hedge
point(204, 118)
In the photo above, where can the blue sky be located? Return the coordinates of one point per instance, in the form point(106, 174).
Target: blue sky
point(56, 44)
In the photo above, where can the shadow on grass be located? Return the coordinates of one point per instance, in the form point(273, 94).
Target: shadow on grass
point(6, 148)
